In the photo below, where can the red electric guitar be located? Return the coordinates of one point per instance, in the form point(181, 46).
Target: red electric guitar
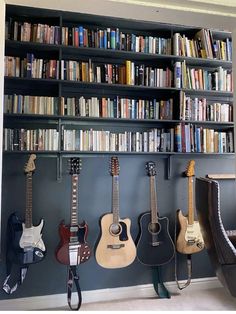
point(73, 248)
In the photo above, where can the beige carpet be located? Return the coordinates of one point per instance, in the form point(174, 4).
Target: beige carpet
point(212, 299)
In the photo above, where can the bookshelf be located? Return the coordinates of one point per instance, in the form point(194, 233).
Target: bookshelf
point(114, 58)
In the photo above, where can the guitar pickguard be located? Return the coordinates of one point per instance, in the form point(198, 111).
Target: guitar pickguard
point(193, 234)
point(123, 236)
point(32, 237)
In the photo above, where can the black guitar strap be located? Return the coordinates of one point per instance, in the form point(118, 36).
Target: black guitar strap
point(189, 263)
point(21, 273)
point(73, 277)
point(158, 284)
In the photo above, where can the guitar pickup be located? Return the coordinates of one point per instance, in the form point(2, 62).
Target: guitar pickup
point(74, 229)
point(191, 242)
point(115, 246)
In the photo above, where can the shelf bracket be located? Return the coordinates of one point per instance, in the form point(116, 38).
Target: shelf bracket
point(59, 168)
point(168, 170)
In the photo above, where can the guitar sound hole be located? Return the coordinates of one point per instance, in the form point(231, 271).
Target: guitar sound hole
point(154, 228)
point(115, 229)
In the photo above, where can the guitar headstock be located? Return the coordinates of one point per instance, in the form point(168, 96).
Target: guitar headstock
point(190, 169)
point(114, 166)
point(75, 165)
point(30, 166)
point(151, 168)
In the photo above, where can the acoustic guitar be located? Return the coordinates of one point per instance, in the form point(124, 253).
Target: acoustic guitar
point(27, 246)
point(190, 239)
point(116, 247)
point(155, 246)
point(73, 248)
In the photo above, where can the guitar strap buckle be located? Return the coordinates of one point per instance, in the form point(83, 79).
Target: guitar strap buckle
point(74, 253)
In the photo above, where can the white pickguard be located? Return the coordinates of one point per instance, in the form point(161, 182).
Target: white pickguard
point(193, 233)
point(32, 237)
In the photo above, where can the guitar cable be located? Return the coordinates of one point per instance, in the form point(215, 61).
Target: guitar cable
point(189, 262)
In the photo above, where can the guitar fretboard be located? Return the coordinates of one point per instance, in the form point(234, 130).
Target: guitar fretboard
point(153, 200)
point(74, 200)
point(28, 211)
point(190, 201)
point(115, 199)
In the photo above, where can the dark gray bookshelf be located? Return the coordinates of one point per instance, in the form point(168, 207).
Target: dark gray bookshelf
point(67, 88)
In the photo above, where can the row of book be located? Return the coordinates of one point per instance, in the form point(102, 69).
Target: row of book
point(190, 138)
point(26, 104)
point(202, 46)
point(191, 78)
point(25, 139)
point(39, 33)
point(155, 140)
point(198, 109)
point(118, 107)
point(184, 138)
point(115, 39)
point(31, 67)
point(128, 73)
point(194, 109)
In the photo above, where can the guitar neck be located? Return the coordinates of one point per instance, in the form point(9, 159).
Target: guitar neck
point(115, 199)
point(190, 201)
point(28, 210)
point(153, 200)
point(74, 200)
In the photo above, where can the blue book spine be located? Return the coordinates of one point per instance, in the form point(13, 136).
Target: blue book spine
point(81, 36)
point(113, 39)
point(105, 39)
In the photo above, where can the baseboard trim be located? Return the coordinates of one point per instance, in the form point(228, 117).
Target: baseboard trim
point(141, 291)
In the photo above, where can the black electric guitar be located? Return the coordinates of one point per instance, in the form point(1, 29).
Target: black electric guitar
point(26, 245)
point(155, 246)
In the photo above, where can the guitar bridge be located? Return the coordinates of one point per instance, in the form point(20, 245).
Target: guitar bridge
point(74, 253)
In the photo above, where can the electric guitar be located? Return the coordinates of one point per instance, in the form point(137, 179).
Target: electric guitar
point(155, 246)
point(26, 240)
point(116, 248)
point(73, 248)
point(190, 239)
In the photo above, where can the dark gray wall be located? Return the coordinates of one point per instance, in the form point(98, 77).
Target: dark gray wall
point(51, 200)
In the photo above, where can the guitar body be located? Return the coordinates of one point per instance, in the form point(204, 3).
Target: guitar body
point(190, 239)
point(115, 251)
point(83, 252)
point(155, 246)
point(24, 247)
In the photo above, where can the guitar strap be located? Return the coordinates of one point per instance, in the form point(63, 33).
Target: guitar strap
point(73, 277)
point(189, 263)
point(21, 276)
point(158, 284)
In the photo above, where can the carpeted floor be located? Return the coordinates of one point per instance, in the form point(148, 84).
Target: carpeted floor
point(216, 299)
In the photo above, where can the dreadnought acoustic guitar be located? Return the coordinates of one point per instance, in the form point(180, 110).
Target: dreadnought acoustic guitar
point(116, 247)
point(155, 246)
point(73, 248)
point(190, 239)
point(26, 240)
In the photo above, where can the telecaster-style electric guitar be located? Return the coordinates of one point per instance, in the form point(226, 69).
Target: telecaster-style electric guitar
point(73, 248)
point(190, 239)
point(27, 241)
point(116, 247)
point(155, 246)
